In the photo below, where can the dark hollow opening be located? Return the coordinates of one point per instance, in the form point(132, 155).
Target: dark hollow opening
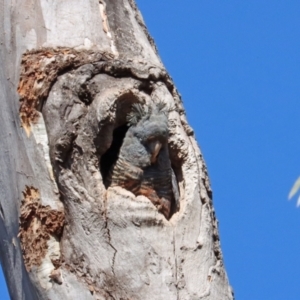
point(111, 155)
point(177, 173)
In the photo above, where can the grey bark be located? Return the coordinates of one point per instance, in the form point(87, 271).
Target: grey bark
point(78, 67)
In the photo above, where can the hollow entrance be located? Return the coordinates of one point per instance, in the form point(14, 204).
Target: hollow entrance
point(109, 143)
point(111, 155)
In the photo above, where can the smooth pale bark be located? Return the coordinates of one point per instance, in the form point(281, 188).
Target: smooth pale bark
point(88, 62)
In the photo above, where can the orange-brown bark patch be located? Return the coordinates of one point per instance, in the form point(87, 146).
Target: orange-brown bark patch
point(40, 68)
point(37, 224)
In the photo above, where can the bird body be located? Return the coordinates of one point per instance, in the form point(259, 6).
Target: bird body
point(143, 165)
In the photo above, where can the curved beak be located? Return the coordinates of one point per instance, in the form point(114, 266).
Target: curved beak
point(154, 150)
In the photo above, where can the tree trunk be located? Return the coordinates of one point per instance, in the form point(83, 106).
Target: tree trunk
point(105, 193)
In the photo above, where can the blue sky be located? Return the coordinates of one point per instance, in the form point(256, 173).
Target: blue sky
point(237, 65)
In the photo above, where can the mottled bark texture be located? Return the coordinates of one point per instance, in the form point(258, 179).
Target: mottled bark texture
point(104, 191)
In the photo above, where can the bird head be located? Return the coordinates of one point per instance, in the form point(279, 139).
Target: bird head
point(150, 126)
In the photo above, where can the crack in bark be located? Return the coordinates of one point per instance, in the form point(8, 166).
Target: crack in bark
point(2, 212)
point(110, 244)
point(109, 237)
point(110, 294)
point(175, 259)
point(106, 28)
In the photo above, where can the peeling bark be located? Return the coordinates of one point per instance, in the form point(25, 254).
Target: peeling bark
point(39, 69)
point(38, 224)
point(83, 234)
